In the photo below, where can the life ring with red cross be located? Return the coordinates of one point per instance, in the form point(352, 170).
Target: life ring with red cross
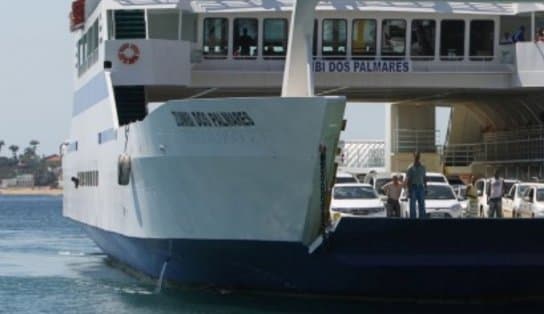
point(129, 53)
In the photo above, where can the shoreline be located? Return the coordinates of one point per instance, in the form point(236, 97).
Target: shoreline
point(38, 191)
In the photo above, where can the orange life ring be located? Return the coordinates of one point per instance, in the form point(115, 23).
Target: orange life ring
point(129, 53)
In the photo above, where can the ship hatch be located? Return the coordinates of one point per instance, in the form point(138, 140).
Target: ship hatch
point(131, 103)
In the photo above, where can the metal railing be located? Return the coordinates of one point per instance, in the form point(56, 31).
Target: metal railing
point(363, 154)
point(525, 145)
point(460, 155)
point(411, 140)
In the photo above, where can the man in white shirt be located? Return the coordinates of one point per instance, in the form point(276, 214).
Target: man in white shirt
point(393, 190)
point(495, 196)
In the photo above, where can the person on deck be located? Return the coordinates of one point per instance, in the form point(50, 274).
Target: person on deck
point(495, 196)
point(393, 190)
point(416, 183)
point(245, 42)
point(519, 35)
point(472, 197)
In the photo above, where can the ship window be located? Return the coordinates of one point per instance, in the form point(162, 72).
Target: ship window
point(423, 39)
point(246, 35)
point(275, 37)
point(334, 37)
point(216, 40)
point(452, 40)
point(482, 37)
point(163, 24)
point(393, 37)
point(539, 21)
point(363, 39)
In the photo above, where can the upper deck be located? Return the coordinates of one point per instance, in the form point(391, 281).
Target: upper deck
point(361, 48)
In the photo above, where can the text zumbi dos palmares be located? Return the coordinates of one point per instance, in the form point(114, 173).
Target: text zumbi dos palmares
point(213, 119)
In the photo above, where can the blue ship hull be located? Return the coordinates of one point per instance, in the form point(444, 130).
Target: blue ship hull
point(363, 257)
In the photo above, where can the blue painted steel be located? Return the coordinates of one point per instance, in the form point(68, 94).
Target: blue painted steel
point(370, 257)
point(90, 94)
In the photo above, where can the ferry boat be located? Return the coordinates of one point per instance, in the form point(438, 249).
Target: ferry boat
point(202, 149)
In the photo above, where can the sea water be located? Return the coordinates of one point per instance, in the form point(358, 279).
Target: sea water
point(48, 265)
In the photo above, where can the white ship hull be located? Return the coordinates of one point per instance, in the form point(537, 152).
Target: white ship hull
point(253, 178)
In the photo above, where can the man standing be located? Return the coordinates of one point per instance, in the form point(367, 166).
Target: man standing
point(472, 196)
point(416, 183)
point(392, 191)
point(495, 196)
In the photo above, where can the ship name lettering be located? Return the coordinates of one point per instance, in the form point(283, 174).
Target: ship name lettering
point(361, 66)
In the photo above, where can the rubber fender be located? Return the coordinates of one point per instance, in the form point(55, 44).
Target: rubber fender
point(124, 169)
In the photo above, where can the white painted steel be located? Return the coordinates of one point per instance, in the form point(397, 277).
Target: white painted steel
point(240, 183)
point(298, 77)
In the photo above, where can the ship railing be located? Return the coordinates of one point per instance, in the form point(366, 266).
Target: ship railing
point(412, 140)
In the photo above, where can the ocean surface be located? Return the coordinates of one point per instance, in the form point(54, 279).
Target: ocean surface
point(48, 265)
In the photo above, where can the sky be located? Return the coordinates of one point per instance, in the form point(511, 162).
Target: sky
point(37, 85)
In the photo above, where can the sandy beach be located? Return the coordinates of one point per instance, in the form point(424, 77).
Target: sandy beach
point(31, 191)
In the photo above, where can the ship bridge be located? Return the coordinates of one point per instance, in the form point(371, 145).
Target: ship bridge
point(484, 60)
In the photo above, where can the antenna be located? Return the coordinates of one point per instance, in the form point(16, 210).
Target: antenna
point(298, 77)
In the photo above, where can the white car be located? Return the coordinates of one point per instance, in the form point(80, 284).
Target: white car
point(484, 188)
point(532, 204)
point(356, 200)
point(512, 200)
point(344, 177)
point(436, 177)
point(440, 202)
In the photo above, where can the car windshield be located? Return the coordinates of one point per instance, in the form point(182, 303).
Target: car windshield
point(540, 195)
point(354, 192)
point(439, 192)
point(380, 183)
point(345, 180)
point(522, 189)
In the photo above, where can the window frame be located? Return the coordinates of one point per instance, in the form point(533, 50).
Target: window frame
point(256, 40)
point(224, 43)
point(493, 43)
point(396, 55)
point(435, 43)
point(263, 44)
point(363, 55)
point(334, 55)
point(463, 49)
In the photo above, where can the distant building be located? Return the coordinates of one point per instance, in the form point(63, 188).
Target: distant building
point(52, 161)
point(20, 181)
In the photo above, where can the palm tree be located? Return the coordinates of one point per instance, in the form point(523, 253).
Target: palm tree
point(34, 144)
point(2, 143)
point(14, 149)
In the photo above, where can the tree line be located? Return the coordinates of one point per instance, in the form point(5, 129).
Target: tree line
point(28, 161)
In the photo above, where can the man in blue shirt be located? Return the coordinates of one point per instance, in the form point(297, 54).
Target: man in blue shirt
point(416, 183)
point(519, 35)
